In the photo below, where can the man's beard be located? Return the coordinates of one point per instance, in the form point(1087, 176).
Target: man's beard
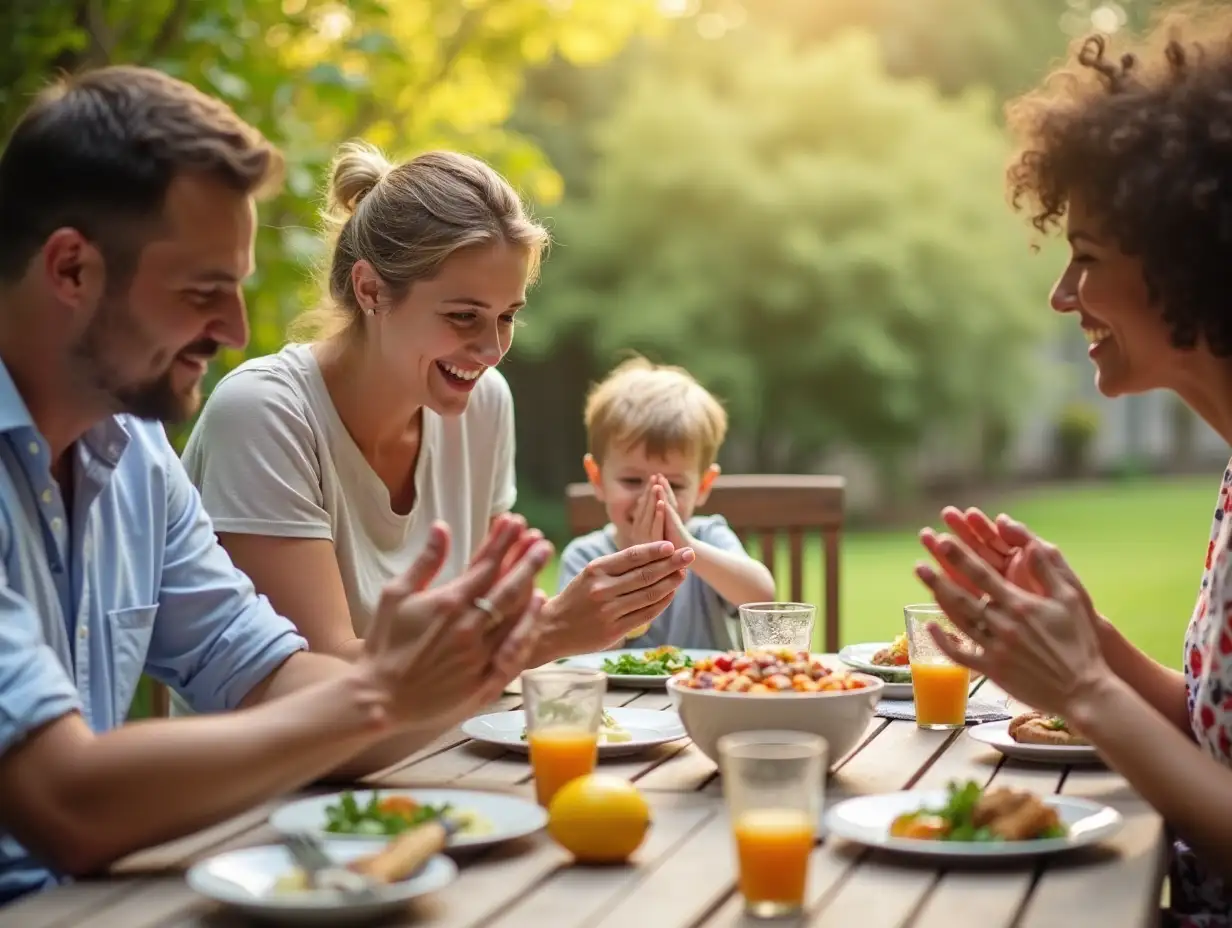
point(156, 399)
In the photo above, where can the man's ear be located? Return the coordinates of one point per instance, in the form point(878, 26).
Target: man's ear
point(709, 476)
point(74, 271)
point(594, 476)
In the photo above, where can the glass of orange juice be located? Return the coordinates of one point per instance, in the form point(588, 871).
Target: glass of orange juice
point(939, 685)
point(564, 709)
point(774, 782)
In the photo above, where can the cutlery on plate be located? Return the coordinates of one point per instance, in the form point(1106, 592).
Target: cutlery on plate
point(321, 871)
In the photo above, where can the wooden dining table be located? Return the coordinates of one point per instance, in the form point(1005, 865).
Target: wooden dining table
point(683, 876)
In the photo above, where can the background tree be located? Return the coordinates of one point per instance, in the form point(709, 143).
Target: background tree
point(408, 75)
point(826, 246)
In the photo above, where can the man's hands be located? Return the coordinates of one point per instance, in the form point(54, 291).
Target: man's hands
point(437, 652)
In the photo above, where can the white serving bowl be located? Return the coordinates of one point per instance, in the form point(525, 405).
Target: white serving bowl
point(840, 717)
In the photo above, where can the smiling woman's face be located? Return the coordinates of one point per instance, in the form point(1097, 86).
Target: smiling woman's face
point(448, 330)
point(1129, 341)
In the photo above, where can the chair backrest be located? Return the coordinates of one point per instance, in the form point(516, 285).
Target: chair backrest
point(160, 700)
point(764, 506)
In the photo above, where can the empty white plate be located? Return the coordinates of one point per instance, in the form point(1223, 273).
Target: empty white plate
point(997, 734)
point(498, 817)
point(649, 727)
point(638, 681)
point(867, 819)
point(246, 879)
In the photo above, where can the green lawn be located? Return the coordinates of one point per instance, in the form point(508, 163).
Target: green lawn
point(1139, 546)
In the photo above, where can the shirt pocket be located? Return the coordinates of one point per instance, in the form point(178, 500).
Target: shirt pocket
point(131, 630)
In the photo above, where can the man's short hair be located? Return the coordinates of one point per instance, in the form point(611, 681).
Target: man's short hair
point(98, 151)
point(658, 407)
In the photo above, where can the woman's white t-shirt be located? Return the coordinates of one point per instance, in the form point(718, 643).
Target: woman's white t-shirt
point(270, 456)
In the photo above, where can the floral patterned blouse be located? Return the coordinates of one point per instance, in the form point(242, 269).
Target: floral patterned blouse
point(1200, 899)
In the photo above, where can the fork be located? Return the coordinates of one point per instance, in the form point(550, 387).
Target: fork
point(320, 868)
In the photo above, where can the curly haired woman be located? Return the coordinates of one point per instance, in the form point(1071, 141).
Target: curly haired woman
point(1130, 149)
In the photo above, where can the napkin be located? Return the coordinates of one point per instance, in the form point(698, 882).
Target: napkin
point(904, 710)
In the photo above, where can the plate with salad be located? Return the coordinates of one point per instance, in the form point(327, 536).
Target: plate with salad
point(622, 732)
point(481, 818)
point(643, 668)
point(970, 821)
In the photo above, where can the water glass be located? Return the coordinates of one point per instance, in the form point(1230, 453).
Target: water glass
point(774, 784)
point(564, 709)
point(777, 625)
point(938, 685)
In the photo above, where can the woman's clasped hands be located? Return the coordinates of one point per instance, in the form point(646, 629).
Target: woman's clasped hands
point(1031, 620)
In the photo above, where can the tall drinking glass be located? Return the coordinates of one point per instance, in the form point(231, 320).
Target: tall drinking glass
point(564, 709)
point(939, 685)
point(777, 625)
point(774, 783)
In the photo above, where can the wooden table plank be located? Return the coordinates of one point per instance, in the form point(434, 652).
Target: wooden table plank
point(1120, 887)
point(685, 886)
point(575, 895)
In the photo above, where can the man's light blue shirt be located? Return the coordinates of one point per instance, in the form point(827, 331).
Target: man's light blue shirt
point(132, 579)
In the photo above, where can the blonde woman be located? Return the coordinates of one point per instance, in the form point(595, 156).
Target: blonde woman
point(324, 465)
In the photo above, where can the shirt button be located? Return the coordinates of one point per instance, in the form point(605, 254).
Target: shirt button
point(46, 497)
point(56, 523)
point(33, 446)
point(83, 633)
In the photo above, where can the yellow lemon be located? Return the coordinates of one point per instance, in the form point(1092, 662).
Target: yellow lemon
point(599, 818)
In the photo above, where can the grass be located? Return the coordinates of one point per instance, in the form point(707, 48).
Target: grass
point(1138, 545)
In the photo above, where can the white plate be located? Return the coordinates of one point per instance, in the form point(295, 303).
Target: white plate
point(508, 816)
point(860, 656)
point(647, 726)
point(638, 681)
point(997, 734)
point(245, 879)
point(897, 691)
point(866, 820)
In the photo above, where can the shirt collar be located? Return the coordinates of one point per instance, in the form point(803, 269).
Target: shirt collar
point(14, 414)
point(105, 440)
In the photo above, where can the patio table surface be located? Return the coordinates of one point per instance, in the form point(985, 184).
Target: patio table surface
point(683, 876)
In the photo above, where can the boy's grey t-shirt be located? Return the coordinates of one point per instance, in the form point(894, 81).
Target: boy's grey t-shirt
point(697, 617)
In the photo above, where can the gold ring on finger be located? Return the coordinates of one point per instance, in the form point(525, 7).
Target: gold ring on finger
point(483, 604)
point(981, 617)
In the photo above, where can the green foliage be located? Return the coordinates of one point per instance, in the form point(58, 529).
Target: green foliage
point(1076, 429)
point(825, 246)
point(409, 75)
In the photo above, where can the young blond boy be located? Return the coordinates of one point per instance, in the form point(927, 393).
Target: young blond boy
point(653, 433)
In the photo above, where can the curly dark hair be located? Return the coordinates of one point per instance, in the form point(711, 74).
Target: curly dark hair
point(1142, 132)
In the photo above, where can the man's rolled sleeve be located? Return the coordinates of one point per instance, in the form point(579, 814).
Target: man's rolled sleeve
point(35, 689)
point(214, 638)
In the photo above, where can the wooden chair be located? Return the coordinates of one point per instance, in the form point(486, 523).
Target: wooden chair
point(765, 506)
point(160, 700)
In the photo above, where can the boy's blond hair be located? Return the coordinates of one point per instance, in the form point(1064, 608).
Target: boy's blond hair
point(655, 406)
